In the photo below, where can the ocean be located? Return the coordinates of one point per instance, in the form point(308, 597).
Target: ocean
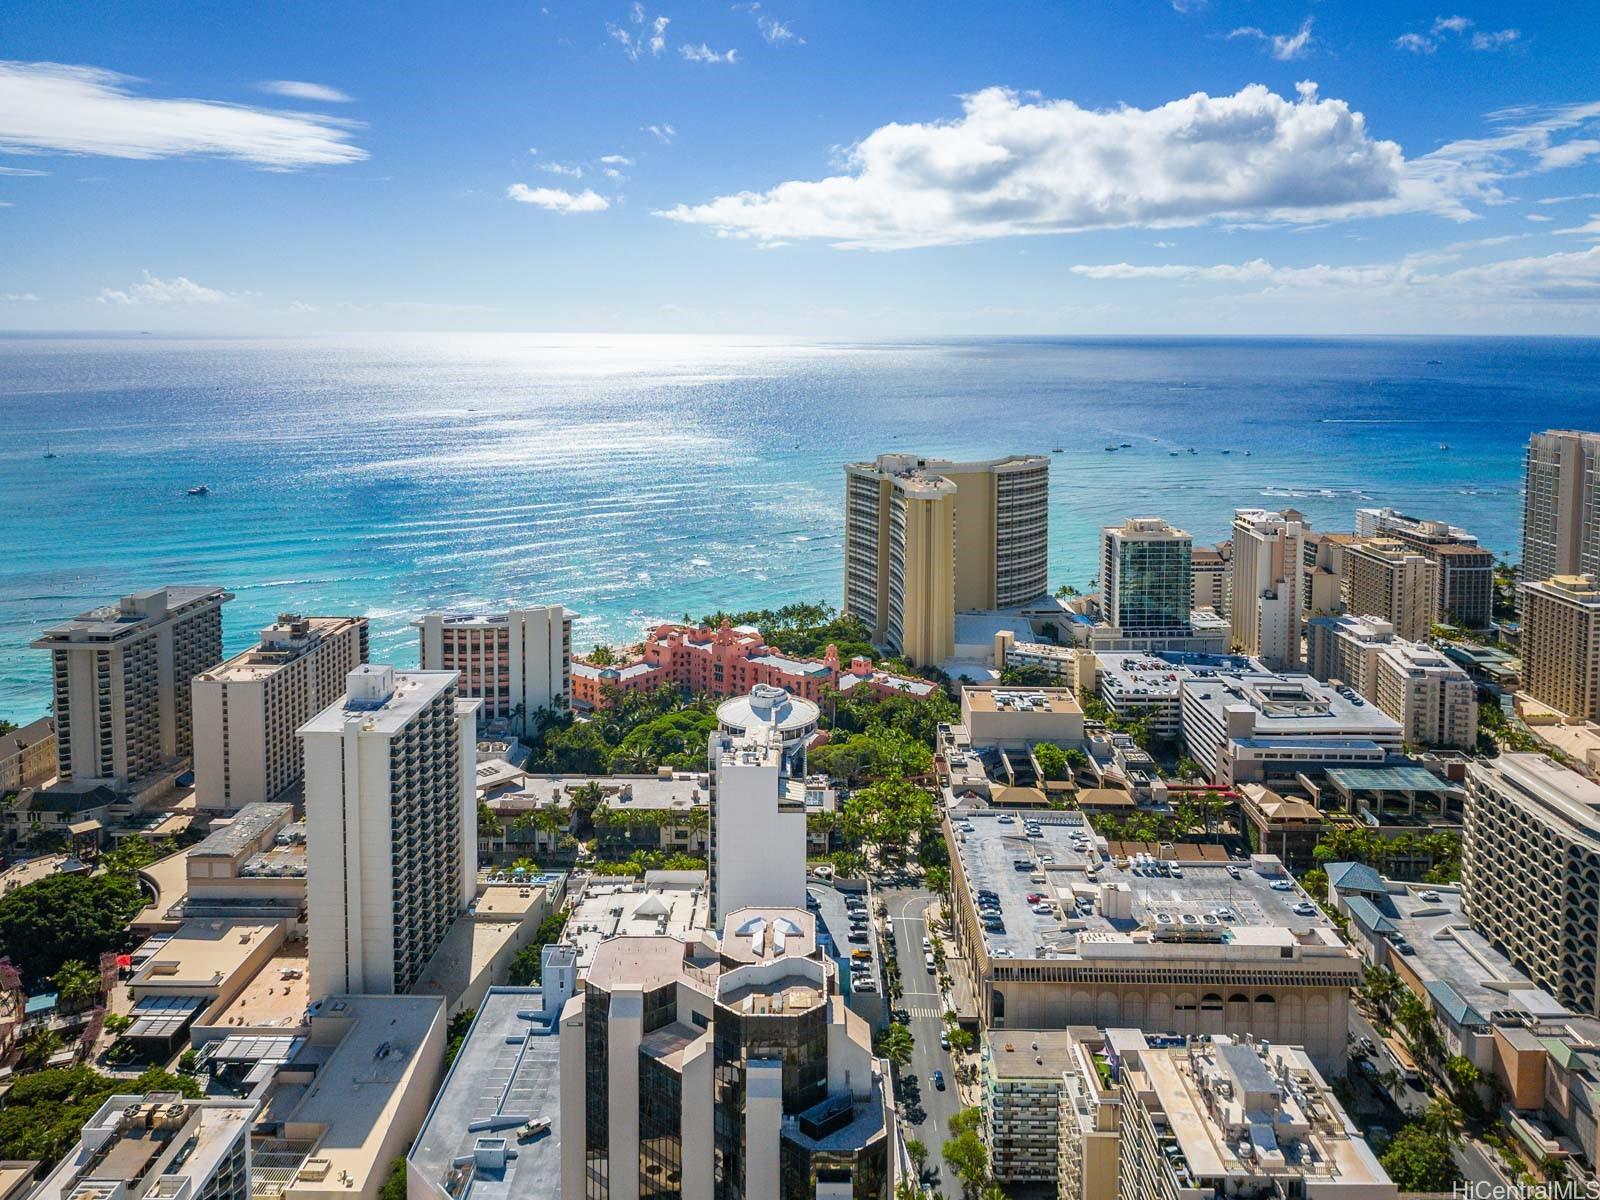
point(637, 478)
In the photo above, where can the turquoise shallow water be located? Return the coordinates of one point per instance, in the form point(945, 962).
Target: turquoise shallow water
point(635, 478)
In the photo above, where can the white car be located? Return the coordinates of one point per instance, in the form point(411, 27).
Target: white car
point(1282, 885)
point(1306, 909)
point(1430, 895)
point(1003, 952)
point(928, 961)
point(927, 945)
point(1043, 909)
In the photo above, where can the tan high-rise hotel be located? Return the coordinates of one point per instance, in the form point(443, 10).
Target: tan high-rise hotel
point(926, 538)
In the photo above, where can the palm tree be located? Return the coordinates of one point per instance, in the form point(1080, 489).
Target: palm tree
point(77, 985)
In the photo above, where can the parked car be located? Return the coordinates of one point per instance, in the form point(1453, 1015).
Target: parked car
point(928, 961)
point(1430, 896)
point(944, 1040)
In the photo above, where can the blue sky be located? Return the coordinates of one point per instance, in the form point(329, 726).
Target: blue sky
point(841, 169)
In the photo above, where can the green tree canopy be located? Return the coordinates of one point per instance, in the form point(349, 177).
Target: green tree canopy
point(45, 1110)
point(65, 918)
point(1419, 1160)
point(1052, 760)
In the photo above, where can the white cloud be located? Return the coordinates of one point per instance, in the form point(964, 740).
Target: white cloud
point(1285, 47)
point(1188, 6)
point(1495, 41)
point(17, 298)
point(705, 54)
point(556, 200)
point(1451, 25)
point(777, 32)
point(612, 173)
point(1540, 217)
point(1009, 167)
point(662, 133)
point(150, 290)
point(647, 33)
point(1569, 199)
point(616, 160)
point(1590, 228)
point(1568, 277)
point(1415, 43)
point(21, 172)
point(297, 89)
point(51, 107)
point(572, 171)
point(1528, 132)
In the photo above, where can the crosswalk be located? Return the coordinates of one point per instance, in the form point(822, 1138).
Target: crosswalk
point(926, 1012)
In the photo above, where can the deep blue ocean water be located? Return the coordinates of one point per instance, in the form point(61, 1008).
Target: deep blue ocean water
point(636, 478)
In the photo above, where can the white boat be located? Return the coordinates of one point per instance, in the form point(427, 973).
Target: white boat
point(200, 490)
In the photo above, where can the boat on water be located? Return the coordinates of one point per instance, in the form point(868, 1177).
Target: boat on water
point(200, 490)
point(1191, 450)
point(1227, 451)
point(1444, 445)
point(1124, 445)
point(1111, 449)
point(1174, 453)
point(1435, 362)
point(1056, 450)
point(49, 453)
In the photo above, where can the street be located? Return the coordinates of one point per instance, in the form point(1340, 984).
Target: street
point(1470, 1159)
point(925, 1109)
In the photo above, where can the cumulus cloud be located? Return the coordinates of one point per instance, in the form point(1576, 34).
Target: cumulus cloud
point(642, 33)
point(57, 108)
point(705, 54)
point(662, 133)
point(298, 89)
point(1416, 43)
point(18, 297)
point(572, 171)
point(1451, 25)
point(1567, 277)
point(1010, 166)
point(179, 290)
point(557, 200)
point(612, 173)
point(1285, 47)
point(616, 160)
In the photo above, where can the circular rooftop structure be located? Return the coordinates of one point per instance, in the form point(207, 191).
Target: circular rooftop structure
point(794, 718)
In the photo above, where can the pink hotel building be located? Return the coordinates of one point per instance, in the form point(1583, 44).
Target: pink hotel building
point(729, 661)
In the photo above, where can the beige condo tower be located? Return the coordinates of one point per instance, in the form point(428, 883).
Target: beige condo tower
point(926, 538)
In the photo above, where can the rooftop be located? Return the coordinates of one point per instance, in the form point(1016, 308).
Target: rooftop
point(1028, 1053)
point(676, 903)
point(985, 699)
point(1465, 974)
point(1248, 1111)
point(244, 832)
point(1204, 905)
point(1290, 704)
point(290, 639)
point(203, 954)
point(385, 700)
point(130, 615)
point(645, 961)
point(363, 1087)
point(506, 1073)
point(1545, 783)
point(275, 997)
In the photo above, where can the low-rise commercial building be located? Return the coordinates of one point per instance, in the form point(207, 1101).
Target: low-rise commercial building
point(673, 904)
point(246, 710)
point(1148, 686)
point(253, 867)
point(494, 1131)
point(1530, 871)
point(1260, 727)
point(1234, 1116)
point(1282, 825)
point(1561, 644)
point(161, 1145)
point(1060, 931)
point(1010, 717)
point(1420, 932)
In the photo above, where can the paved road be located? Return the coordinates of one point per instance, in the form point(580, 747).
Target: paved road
point(1474, 1165)
point(922, 1001)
